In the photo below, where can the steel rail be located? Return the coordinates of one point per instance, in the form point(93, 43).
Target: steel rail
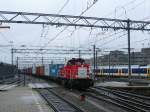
point(143, 107)
point(110, 101)
point(17, 82)
point(126, 93)
point(58, 103)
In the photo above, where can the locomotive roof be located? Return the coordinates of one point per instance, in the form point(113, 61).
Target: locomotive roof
point(77, 60)
point(73, 60)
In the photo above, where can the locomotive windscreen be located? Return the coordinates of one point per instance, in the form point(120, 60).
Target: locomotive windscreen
point(75, 61)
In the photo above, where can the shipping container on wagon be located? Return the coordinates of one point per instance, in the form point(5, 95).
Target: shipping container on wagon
point(40, 70)
point(46, 69)
point(60, 66)
point(54, 69)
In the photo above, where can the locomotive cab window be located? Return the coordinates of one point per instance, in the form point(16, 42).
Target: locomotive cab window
point(77, 61)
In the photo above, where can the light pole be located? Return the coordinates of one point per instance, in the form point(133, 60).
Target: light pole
point(12, 52)
point(95, 53)
point(94, 49)
point(96, 56)
point(109, 62)
point(129, 54)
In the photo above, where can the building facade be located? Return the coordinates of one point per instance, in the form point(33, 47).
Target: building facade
point(116, 57)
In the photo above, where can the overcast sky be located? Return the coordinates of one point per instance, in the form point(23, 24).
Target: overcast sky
point(30, 35)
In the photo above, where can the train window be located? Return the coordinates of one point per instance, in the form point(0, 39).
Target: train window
point(77, 61)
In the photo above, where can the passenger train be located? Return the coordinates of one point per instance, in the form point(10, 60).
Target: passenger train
point(75, 74)
point(136, 70)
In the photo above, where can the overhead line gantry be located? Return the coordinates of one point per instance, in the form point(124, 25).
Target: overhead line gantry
point(67, 20)
point(48, 51)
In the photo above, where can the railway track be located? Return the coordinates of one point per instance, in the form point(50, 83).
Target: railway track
point(128, 101)
point(5, 79)
point(135, 97)
point(58, 103)
point(10, 84)
point(128, 95)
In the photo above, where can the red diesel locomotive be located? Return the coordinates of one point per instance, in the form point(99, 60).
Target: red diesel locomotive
point(76, 73)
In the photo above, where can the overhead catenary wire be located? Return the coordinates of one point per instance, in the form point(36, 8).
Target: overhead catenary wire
point(112, 40)
point(65, 4)
point(110, 35)
point(75, 20)
point(104, 37)
point(131, 9)
point(125, 5)
point(72, 32)
point(125, 34)
point(45, 33)
point(134, 42)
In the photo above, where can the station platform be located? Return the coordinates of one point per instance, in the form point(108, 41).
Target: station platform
point(22, 99)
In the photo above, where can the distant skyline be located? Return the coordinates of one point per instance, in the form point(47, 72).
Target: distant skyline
point(35, 35)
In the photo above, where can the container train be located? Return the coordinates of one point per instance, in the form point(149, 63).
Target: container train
point(136, 70)
point(75, 74)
